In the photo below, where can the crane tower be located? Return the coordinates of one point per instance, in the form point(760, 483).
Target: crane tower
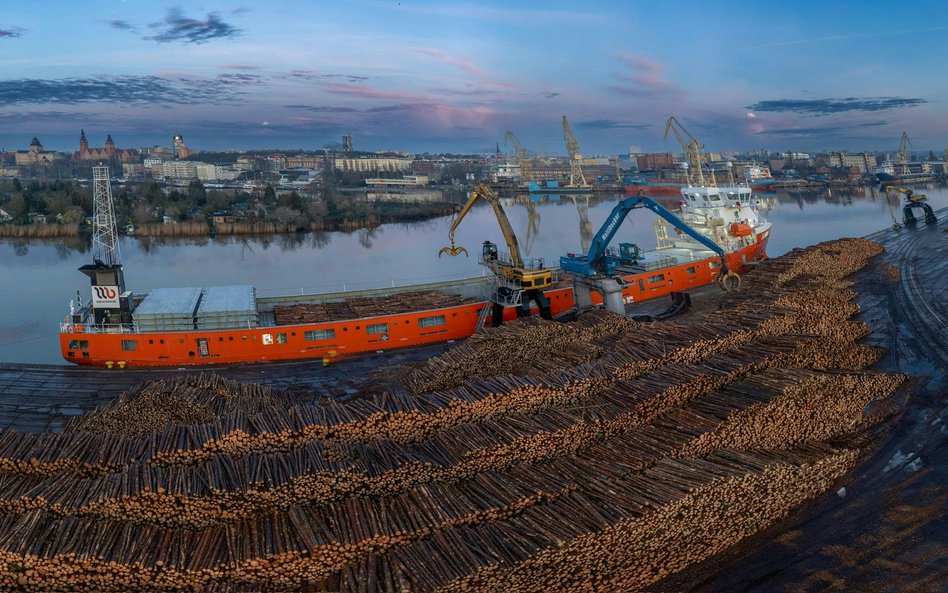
point(526, 165)
point(105, 245)
point(576, 176)
point(905, 151)
point(692, 149)
point(110, 303)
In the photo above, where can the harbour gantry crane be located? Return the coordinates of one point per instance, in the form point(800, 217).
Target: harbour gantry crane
point(526, 165)
point(905, 151)
point(913, 200)
point(576, 177)
point(692, 149)
point(519, 283)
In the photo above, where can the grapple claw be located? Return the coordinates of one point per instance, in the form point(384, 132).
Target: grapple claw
point(453, 251)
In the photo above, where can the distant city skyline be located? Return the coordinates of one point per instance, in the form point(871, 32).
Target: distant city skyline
point(452, 77)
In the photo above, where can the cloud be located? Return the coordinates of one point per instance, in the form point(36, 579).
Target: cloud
point(240, 67)
point(550, 95)
point(312, 75)
point(177, 27)
point(644, 78)
point(457, 61)
point(608, 124)
point(124, 90)
point(364, 92)
point(122, 25)
point(815, 40)
point(322, 109)
point(821, 131)
point(11, 33)
point(828, 106)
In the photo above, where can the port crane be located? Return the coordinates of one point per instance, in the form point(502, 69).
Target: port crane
point(904, 152)
point(598, 269)
point(576, 177)
point(692, 149)
point(519, 282)
point(526, 165)
point(913, 200)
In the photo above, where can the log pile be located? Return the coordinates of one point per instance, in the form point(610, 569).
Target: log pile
point(600, 455)
point(360, 307)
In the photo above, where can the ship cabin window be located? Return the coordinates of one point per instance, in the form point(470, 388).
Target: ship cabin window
point(692, 270)
point(431, 321)
point(715, 264)
point(319, 334)
point(281, 338)
point(151, 341)
point(129, 345)
point(656, 278)
point(161, 341)
point(78, 344)
point(377, 328)
point(220, 339)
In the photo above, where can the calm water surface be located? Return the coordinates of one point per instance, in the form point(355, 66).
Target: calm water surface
point(41, 277)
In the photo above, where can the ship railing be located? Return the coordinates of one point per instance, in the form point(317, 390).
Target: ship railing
point(662, 262)
point(535, 263)
point(96, 328)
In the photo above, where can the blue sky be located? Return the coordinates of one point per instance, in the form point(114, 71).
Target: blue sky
point(443, 76)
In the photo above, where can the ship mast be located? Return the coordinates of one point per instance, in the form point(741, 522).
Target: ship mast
point(105, 247)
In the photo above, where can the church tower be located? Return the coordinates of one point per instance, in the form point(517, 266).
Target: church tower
point(109, 147)
point(83, 146)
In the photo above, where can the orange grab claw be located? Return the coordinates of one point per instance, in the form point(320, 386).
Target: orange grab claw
point(453, 251)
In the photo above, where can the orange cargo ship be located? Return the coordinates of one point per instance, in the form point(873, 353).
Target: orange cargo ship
point(217, 325)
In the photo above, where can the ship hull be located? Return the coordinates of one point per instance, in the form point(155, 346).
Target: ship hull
point(327, 341)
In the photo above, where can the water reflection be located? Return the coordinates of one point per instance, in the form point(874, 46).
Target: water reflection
point(44, 270)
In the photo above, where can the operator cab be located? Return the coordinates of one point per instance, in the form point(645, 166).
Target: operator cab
point(489, 251)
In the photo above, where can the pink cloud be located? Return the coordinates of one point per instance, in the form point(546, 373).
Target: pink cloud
point(444, 57)
point(644, 78)
point(365, 92)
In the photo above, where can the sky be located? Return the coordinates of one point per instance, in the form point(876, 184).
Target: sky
point(454, 76)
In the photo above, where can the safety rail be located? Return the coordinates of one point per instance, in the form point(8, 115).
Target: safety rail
point(536, 263)
point(96, 328)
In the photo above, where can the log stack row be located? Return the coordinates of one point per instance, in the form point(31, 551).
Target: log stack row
point(601, 455)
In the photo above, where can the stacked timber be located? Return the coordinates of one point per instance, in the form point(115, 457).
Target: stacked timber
point(360, 307)
point(535, 457)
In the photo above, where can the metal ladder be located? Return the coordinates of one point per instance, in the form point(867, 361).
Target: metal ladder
point(485, 312)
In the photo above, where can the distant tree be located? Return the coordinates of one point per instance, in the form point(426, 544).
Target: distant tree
point(931, 155)
point(268, 194)
point(18, 208)
point(17, 186)
point(197, 195)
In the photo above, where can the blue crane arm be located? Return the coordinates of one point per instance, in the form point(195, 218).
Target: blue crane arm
point(597, 250)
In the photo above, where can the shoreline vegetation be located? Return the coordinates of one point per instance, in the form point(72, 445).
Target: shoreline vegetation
point(409, 212)
point(62, 209)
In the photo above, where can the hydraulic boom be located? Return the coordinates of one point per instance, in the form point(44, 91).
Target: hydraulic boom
point(514, 269)
point(913, 200)
point(597, 262)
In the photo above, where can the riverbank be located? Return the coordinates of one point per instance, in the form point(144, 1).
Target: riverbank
point(382, 213)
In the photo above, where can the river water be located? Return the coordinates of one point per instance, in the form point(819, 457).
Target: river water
point(41, 276)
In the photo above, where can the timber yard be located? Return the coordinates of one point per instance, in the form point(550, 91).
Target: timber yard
point(540, 427)
point(788, 431)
